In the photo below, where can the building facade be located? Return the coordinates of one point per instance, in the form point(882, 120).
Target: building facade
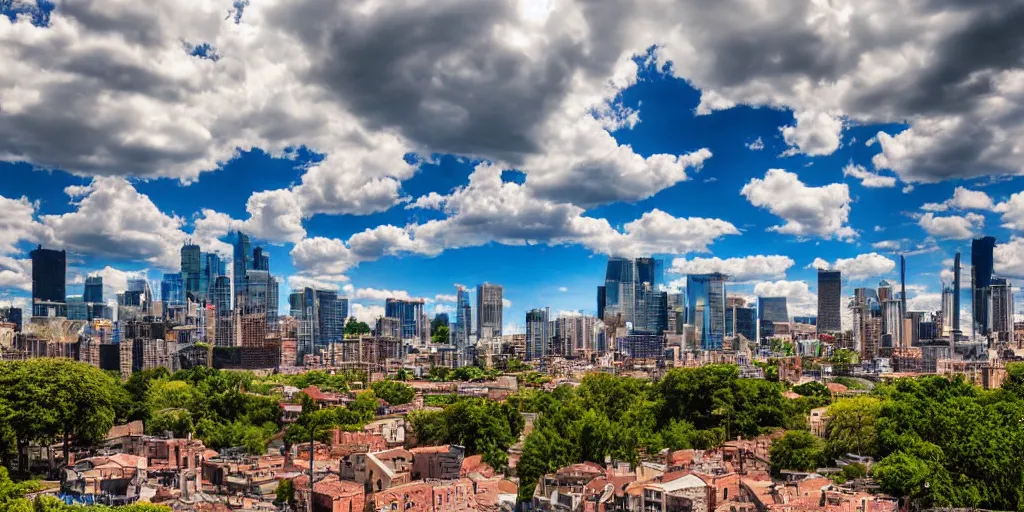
point(489, 308)
point(830, 289)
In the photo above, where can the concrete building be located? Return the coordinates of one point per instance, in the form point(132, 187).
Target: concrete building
point(489, 307)
point(830, 288)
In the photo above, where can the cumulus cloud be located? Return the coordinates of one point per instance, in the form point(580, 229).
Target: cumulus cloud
point(952, 227)
point(1013, 212)
point(862, 266)
point(116, 280)
point(799, 298)
point(756, 145)
point(886, 245)
point(381, 295)
point(808, 211)
point(748, 268)
point(869, 179)
point(1008, 259)
point(963, 199)
point(445, 298)
point(490, 210)
point(18, 224)
point(15, 273)
point(506, 303)
point(815, 133)
point(298, 282)
point(366, 313)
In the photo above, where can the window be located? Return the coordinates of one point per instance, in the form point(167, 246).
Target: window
point(725, 494)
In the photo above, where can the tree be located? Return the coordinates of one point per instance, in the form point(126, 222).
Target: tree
point(354, 328)
point(285, 493)
point(851, 426)
point(393, 392)
point(797, 450)
point(812, 388)
point(440, 335)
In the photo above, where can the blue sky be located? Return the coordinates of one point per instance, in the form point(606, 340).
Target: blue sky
point(338, 149)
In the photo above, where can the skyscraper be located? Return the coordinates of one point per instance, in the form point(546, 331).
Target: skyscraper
point(260, 259)
point(463, 319)
point(956, 293)
point(981, 279)
point(650, 304)
point(620, 287)
point(191, 264)
point(49, 275)
point(538, 334)
point(333, 311)
point(305, 308)
point(408, 312)
point(242, 262)
point(830, 289)
point(93, 290)
point(489, 307)
point(210, 266)
point(601, 298)
point(261, 296)
point(705, 307)
point(220, 296)
point(771, 310)
point(947, 311)
point(1002, 308)
point(172, 290)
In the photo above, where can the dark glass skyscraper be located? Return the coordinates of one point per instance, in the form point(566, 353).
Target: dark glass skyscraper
point(830, 290)
point(600, 301)
point(242, 261)
point(172, 290)
point(981, 279)
point(260, 260)
point(408, 312)
point(538, 334)
point(93, 289)
point(191, 264)
point(49, 275)
point(333, 311)
point(705, 308)
point(463, 319)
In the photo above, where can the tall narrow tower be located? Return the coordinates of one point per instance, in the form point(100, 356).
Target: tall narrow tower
point(956, 293)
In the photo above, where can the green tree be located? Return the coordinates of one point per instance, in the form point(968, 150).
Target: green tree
point(354, 328)
point(393, 392)
point(797, 450)
point(851, 426)
point(440, 335)
point(812, 388)
point(285, 493)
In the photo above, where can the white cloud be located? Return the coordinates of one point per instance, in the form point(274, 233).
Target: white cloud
point(869, 179)
point(862, 266)
point(923, 301)
point(879, 229)
point(757, 145)
point(953, 227)
point(381, 295)
point(364, 313)
point(490, 210)
point(297, 282)
point(1013, 212)
point(18, 224)
point(886, 245)
point(563, 289)
point(116, 280)
point(963, 199)
point(113, 219)
point(444, 308)
point(506, 303)
point(445, 298)
point(808, 211)
point(799, 298)
point(749, 268)
point(15, 273)
point(815, 133)
point(1008, 259)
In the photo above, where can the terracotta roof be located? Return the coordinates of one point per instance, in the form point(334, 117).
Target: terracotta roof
point(836, 387)
point(134, 428)
point(337, 488)
point(429, 449)
point(475, 464)
point(508, 487)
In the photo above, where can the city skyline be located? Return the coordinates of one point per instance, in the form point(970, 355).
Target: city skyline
point(663, 158)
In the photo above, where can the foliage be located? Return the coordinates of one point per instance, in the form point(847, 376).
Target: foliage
point(517, 366)
point(393, 392)
point(350, 418)
point(532, 379)
point(441, 400)
point(57, 399)
point(441, 334)
point(850, 383)
point(355, 328)
point(285, 492)
point(798, 450)
point(338, 383)
point(851, 426)
point(812, 388)
point(464, 373)
point(843, 360)
point(481, 426)
point(403, 375)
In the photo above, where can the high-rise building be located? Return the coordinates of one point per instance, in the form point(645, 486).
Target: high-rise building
point(210, 266)
point(333, 312)
point(946, 317)
point(440, 320)
point(191, 264)
point(463, 319)
point(93, 290)
point(981, 278)
point(488, 311)
point(49, 275)
point(741, 320)
point(409, 313)
point(220, 296)
point(650, 304)
point(956, 293)
point(892, 320)
point(1002, 308)
point(260, 297)
point(172, 292)
point(620, 287)
point(601, 298)
point(830, 289)
point(242, 262)
point(705, 307)
point(538, 334)
point(867, 322)
point(305, 308)
point(260, 259)
point(676, 313)
point(771, 310)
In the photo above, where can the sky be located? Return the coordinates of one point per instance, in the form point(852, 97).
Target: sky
point(404, 147)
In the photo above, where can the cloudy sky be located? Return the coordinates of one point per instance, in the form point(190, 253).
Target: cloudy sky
point(397, 147)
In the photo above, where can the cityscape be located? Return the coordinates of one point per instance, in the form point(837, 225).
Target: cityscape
point(511, 256)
